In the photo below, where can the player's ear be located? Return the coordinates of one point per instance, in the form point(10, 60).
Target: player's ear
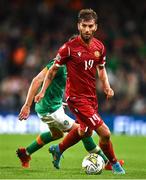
point(96, 25)
point(78, 26)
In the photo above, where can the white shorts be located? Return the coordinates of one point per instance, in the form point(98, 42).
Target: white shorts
point(58, 119)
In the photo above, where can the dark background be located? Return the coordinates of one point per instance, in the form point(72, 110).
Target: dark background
point(32, 31)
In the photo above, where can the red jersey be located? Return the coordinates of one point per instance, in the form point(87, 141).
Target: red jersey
point(81, 61)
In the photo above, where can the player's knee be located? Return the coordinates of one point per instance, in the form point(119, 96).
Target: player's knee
point(82, 133)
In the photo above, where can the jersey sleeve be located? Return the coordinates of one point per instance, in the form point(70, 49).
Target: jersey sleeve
point(62, 55)
point(61, 71)
point(51, 62)
point(103, 57)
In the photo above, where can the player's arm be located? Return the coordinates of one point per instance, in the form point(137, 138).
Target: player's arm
point(47, 81)
point(105, 82)
point(34, 86)
point(60, 59)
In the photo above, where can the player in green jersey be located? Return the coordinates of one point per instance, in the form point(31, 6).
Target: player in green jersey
point(50, 110)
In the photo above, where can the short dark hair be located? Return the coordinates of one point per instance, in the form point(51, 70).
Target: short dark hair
point(86, 15)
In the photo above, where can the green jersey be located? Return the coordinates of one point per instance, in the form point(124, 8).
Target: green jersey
point(54, 93)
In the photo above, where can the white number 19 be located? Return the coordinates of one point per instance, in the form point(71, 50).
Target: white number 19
point(89, 64)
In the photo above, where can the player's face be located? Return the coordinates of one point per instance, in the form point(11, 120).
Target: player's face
point(87, 29)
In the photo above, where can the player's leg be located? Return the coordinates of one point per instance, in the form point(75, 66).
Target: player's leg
point(72, 139)
point(66, 123)
point(69, 140)
point(88, 117)
point(74, 136)
point(24, 153)
point(107, 147)
point(91, 147)
point(41, 140)
point(105, 142)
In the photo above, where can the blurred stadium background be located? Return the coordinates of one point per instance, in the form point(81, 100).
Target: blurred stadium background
point(32, 31)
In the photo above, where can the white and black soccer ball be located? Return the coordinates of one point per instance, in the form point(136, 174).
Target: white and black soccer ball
point(93, 164)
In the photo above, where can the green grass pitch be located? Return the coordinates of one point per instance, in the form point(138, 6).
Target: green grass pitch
point(130, 148)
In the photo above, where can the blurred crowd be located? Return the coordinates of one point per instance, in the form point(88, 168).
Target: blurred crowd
point(32, 31)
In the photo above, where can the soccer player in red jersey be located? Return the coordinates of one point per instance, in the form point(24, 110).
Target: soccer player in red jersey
point(84, 56)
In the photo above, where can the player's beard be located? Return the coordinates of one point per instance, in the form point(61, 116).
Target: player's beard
point(86, 38)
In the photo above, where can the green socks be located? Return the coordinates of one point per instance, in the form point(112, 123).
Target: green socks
point(91, 147)
point(41, 140)
point(100, 152)
point(88, 143)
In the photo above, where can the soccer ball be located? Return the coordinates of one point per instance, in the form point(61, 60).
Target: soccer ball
point(93, 164)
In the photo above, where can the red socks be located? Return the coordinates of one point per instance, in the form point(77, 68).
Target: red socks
point(108, 151)
point(69, 140)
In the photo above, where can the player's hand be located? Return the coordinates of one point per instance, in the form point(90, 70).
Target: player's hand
point(109, 93)
point(38, 97)
point(24, 113)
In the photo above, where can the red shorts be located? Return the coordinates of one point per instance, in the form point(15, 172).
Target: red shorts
point(85, 111)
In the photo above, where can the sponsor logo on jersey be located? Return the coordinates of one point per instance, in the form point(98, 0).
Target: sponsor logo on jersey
point(79, 54)
point(97, 54)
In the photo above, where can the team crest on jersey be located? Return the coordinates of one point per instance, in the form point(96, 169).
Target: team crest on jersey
point(79, 54)
point(66, 123)
point(97, 53)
